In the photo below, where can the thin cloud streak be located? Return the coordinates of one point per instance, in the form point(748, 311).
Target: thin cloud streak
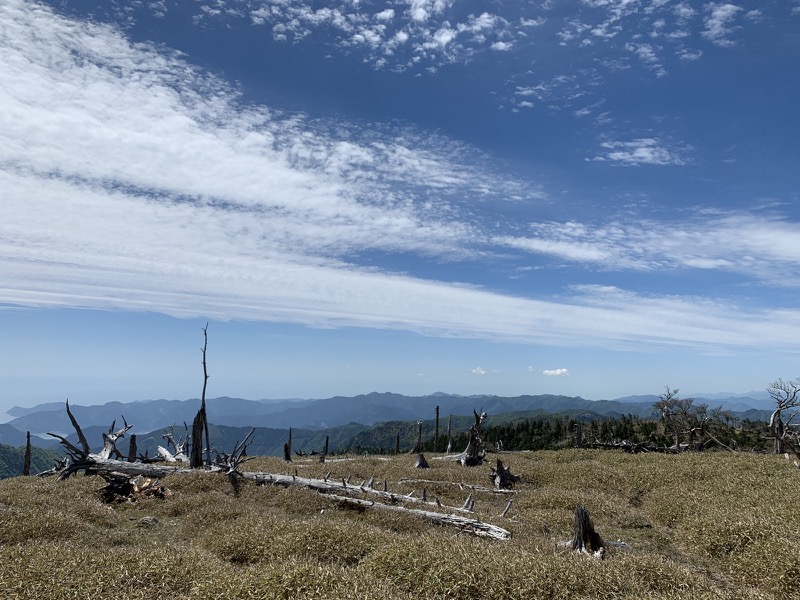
point(759, 247)
point(117, 253)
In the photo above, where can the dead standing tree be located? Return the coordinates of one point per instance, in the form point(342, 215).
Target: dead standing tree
point(681, 416)
point(786, 395)
point(475, 451)
point(200, 423)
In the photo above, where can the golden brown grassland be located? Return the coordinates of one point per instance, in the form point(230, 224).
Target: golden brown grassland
point(707, 525)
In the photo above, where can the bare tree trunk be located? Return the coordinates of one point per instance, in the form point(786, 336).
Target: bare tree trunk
point(196, 458)
point(287, 448)
point(474, 452)
point(449, 436)
point(418, 445)
point(203, 399)
point(776, 430)
point(397, 444)
point(26, 464)
point(132, 451)
point(436, 433)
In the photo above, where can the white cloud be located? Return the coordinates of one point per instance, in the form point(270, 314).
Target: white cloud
point(763, 248)
point(719, 21)
point(133, 181)
point(535, 22)
point(478, 371)
point(556, 372)
point(683, 11)
point(385, 15)
point(685, 54)
point(642, 151)
point(502, 46)
point(417, 35)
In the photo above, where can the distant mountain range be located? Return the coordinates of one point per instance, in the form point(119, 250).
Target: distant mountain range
point(337, 417)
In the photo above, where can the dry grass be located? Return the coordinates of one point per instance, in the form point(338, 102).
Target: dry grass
point(698, 525)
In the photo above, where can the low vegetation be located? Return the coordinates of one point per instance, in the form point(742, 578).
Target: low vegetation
point(12, 460)
point(696, 525)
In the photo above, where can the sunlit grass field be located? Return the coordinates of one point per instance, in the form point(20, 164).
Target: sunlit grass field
point(704, 525)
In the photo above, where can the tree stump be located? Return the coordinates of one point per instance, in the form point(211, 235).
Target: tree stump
point(585, 538)
point(502, 477)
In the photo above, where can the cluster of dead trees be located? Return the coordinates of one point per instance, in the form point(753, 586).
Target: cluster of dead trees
point(129, 476)
point(695, 426)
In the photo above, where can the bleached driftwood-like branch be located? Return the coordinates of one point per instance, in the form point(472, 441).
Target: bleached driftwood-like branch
point(473, 526)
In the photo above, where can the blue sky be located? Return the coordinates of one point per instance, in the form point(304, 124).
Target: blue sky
point(587, 197)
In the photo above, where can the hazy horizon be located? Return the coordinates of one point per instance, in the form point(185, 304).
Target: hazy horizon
point(593, 198)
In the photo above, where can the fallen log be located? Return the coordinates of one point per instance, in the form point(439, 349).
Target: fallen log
point(472, 526)
point(463, 486)
point(326, 486)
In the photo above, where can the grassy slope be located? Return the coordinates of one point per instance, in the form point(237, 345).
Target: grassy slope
point(698, 525)
point(12, 460)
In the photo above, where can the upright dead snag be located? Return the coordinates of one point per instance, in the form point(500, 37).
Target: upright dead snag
point(200, 423)
point(585, 538)
point(436, 432)
point(418, 447)
point(203, 400)
point(476, 450)
point(449, 434)
point(26, 463)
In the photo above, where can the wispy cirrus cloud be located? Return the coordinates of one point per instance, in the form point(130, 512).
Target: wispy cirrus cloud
point(642, 151)
point(134, 181)
point(760, 247)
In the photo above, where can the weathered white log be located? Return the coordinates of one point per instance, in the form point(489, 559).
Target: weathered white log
point(330, 487)
point(166, 454)
point(473, 526)
point(463, 486)
point(109, 467)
